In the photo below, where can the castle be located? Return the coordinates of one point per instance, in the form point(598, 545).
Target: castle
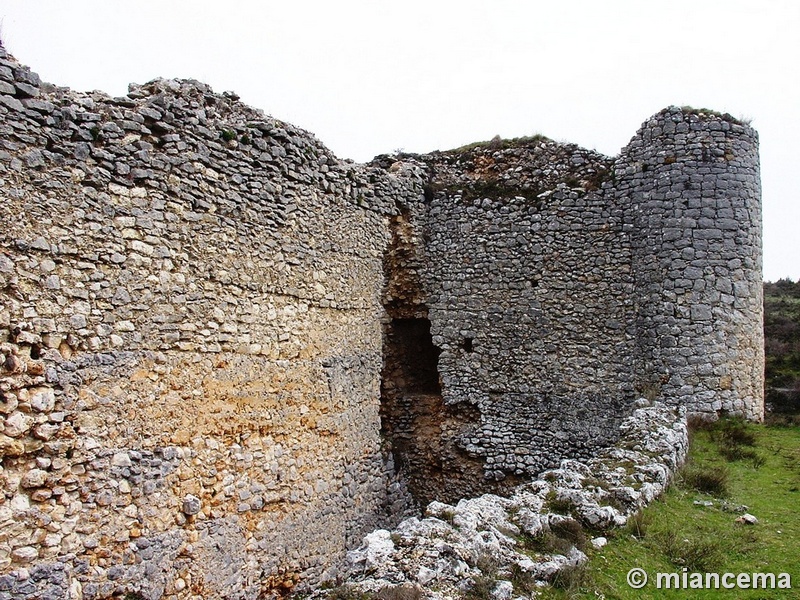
point(227, 354)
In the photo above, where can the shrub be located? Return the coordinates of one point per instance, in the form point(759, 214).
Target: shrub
point(523, 581)
point(488, 564)
point(481, 589)
point(571, 531)
point(558, 505)
point(700, 422)
point(708, 480)
point(560, 539)
point(570, 578)
point(448, 515)
point(735, 441)
point(733, 453)
point(405, 591)
point(638, 523)
point(707, 112)
point(733, 432)
point(694, 554)
point(550, 543)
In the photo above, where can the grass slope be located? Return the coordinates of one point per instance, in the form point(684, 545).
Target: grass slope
point(737, 464)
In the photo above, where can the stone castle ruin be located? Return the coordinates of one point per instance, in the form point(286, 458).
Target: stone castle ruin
point(227, 355)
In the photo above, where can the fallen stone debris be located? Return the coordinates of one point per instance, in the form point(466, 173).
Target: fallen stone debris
point(517, 544)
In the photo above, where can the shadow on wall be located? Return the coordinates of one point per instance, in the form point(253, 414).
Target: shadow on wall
point(428, 436)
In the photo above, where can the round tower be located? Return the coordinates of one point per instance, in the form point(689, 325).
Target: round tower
point(690, 179)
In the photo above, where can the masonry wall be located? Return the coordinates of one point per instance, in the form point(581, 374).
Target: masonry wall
point(691, 179)
point(191, 346)
point(527, 281)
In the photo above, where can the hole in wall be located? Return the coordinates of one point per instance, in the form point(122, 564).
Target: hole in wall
point(412, 357)
point(426, 435)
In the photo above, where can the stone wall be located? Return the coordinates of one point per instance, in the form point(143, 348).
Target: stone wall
point(525, 270)
point(227, 354)
point(192, 346)
point(560, 285)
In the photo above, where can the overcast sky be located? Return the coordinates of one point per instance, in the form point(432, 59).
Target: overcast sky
point(368, 77)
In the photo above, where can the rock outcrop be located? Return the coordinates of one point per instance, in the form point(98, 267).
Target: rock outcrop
point(521, 542)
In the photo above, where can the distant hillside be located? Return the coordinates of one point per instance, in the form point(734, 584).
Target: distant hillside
point(782, 344)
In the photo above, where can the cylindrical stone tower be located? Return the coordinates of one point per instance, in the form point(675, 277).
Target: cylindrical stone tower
point(691, 181)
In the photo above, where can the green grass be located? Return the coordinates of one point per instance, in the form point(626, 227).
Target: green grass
point(673, 532)
point(713, 113)
point(501, 144)
point(487, 188)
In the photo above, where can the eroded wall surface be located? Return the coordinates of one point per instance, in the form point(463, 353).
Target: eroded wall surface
point(191, 351)
point(560, 285)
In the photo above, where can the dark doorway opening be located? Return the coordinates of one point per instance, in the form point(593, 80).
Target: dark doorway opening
point(411, 358)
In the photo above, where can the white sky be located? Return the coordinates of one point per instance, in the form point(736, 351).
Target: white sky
point(368, 77)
